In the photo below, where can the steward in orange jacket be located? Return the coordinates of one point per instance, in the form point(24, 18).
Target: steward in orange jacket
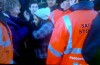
point(69, 34)
point(6, 48)
point(61, 11)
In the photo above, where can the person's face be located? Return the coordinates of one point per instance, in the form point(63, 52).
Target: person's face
point(65, 5)
point(33, 8)
point(1, 3)
point(36, 20)
point(15, 11)
point(51, 3)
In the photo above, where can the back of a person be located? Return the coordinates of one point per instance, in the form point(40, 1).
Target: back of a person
point(69, 35)
point(80, 23)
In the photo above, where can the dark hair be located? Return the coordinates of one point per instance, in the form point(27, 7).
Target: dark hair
point(33, 2)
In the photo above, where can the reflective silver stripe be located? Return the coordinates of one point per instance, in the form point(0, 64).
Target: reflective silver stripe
point(69, 28)
point(53, 51)
point(75, 63)
point(67, 51)
point(2, 43)
point(69, 48)
point(76, 51)
point(7, 43)
point(75, 58)
point(73, 51)
point(52, 17)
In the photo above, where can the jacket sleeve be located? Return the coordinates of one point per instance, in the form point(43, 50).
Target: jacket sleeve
point(91, 47)
point(57, 43)
point(19, 35)
point(45, 30)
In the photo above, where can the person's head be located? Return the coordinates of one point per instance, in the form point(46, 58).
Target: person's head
point(51, 3)
point(41, 14)
point(13, 7)
point(33, 6)
point(65, 4)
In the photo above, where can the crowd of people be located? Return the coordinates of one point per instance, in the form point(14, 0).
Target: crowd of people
point(57, 32)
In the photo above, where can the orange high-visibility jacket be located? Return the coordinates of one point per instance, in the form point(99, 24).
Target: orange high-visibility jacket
point(68, 37)
point(6, 48)
point(56, 14)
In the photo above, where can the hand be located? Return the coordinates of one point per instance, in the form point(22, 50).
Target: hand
point(26, 15)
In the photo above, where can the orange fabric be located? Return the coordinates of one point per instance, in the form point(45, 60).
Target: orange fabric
point(60, 38)
point(62, 35)
point(80, 23)
point(66, 61)
point(57, 14)
point(66, 12)
point(50, 60)
point(6, 52)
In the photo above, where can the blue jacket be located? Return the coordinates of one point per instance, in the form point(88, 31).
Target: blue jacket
point(19, 32)
point(91, 47)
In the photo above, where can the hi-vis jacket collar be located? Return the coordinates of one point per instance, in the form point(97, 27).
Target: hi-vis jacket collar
point(85, 5)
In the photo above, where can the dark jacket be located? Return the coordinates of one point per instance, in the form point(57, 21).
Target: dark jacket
point(42, 37)
point(85, 5)
point(19, 32)
point(91, 47)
